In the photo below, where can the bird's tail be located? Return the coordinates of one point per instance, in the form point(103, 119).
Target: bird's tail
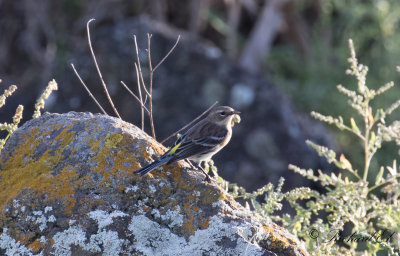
point(162, 160)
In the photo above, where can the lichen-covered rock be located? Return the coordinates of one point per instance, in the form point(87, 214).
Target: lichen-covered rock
point(67, 187)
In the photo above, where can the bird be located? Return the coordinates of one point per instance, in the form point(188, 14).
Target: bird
point(201, 142)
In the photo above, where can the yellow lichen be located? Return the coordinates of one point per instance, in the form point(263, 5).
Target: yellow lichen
point(35, 246)
point(60, 187)
point(204, 223)
point(276, 238)
point(210, 196)
point(112, 140)
point(24, 171)
point(112, 170)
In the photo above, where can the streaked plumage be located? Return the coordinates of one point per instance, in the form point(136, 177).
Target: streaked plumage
point(200, 142)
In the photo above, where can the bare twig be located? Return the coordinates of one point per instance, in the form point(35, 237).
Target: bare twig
point(153, 133)
point(140, 67)
point(139, 76)
point(134, 95)
point(169, 53)
point(98, 70)
point(189, 124)
point(140, 80)
point(87, 89)
point(140, 97)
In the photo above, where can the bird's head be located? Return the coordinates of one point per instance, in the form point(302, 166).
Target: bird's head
point(222, 115)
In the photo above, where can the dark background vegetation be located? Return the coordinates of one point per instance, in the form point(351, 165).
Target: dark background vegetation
point(298, 48)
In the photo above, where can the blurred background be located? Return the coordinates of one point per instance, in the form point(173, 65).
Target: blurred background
point(274, 61)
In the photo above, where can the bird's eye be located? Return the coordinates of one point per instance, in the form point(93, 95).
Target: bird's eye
point(222, 113)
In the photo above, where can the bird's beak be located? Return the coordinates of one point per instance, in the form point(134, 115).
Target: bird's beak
point(235, 112)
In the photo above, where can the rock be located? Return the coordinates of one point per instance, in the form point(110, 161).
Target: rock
point(67, 187)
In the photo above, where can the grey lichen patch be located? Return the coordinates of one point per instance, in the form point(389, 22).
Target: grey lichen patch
point(173, 218)
point(10, 246)
point(103, 218)
point(105, 241)
point(154, 239)
point(40, 219)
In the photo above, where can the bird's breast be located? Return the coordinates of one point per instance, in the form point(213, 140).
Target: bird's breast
point(227, 138)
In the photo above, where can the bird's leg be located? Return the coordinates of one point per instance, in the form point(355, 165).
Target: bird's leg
point(208, 178)
point(190, 163)
point(198, 166)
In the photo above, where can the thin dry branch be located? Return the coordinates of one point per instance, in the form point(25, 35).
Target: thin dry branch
point(134, 95)
point(153, 133)
point(140, 67)
point(189, 124)
point(98, 70)
point(87, 89)
point(141, 84)
point(140, 97)
point(169, 53)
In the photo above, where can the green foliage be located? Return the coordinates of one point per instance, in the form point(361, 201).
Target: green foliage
point(349, 218)
point(52, 86)
point(11, 127)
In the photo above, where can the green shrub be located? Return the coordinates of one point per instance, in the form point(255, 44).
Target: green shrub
point(11, 127)
point(352, 216)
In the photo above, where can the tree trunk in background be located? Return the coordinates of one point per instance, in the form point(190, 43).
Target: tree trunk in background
point(261, 37)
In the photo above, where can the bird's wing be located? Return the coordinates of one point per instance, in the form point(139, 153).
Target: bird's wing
point(193, 143)
point(193, 147)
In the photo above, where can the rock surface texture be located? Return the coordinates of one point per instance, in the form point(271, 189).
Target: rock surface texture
point(67, 187)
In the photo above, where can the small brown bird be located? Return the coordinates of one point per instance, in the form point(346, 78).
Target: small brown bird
point(200, 142)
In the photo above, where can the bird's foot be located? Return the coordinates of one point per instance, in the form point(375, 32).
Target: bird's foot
point(199, 167)
point(207, 178)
